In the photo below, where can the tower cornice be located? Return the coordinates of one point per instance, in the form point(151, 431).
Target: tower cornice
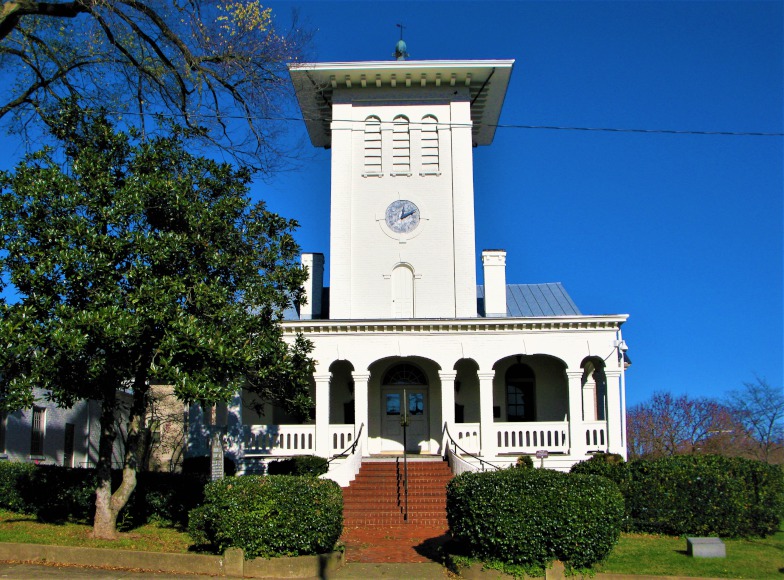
point(315, 83)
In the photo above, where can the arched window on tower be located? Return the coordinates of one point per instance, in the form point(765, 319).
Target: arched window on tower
point(520, 392)
point(430, 153)
point(373, 146)
point(401, 146)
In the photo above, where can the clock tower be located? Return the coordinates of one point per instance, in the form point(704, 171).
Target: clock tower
point(401, 133)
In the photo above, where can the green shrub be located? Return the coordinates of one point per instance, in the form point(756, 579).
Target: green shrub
point(14, 478)
point(201, 465)
point(535, 516)
point(267, 516)
point(56, 494)
point(299, 465)
point(163, 497)
point(697, 494)
point(705, 495)
point(524, 462)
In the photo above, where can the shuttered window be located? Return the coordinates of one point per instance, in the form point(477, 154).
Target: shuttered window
point(37, 431)
point(430, 152)
point(401, 146)
point(372, 146)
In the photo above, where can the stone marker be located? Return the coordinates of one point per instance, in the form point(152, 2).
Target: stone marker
point(216, 458)
point(705, 548)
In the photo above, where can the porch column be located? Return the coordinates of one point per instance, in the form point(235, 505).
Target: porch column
point(589, 400)
point(323, 441)
point(361, 380)
point(576, 427)
point(487, 432)
point(616, 438)
point(447, 398)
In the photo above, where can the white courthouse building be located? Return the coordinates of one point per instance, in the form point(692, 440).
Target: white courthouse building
point(492, 371)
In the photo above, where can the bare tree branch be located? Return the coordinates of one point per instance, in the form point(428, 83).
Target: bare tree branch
point(216, 65)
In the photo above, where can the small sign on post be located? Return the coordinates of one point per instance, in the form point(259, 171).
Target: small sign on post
point(216, 458)
point(542, 454)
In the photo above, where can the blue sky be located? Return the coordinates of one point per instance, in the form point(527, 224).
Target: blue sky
point(681, 232)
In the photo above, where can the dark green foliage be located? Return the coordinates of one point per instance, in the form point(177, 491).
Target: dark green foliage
point(133, 260)
point(299, 465)
point(56, 494)
point(698, 494)
point(166, 497)
point(277, 515)
point(524, 462)
point(13, 480)
point(201, 465)
point(534, 516)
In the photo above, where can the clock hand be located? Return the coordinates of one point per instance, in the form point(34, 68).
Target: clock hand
point(405, 215)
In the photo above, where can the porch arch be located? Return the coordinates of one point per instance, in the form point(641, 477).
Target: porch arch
point(401, 386)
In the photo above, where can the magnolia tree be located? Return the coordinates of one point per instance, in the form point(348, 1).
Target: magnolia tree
point(219, 64)
point(134, 261)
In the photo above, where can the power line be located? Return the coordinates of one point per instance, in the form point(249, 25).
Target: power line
point(498, 126)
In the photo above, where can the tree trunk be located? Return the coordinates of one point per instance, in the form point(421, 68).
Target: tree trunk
point(107, 504)
point(105, 523)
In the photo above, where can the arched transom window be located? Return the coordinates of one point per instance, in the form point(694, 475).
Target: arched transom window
point(405, 374)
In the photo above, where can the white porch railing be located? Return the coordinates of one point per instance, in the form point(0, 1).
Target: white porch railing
point(340, 437)
point(279, 439)
point(467, 436)
point(596, 436)
point(293, 439)
point(457, 464)
point(533, 437)
point(345, 472)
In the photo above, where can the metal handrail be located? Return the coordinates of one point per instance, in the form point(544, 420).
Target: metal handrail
point(350, 450)
point(404, 424)
point(481, 461)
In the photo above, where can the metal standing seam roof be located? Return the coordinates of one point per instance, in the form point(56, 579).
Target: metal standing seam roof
point(526, 300)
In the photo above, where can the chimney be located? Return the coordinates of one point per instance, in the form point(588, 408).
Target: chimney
point(494, 263)
point(314, 285)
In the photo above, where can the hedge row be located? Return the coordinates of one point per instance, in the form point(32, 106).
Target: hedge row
point(267, 516)
point(535, 516)
point(696, 494)
point(56, 493)
point(299, 465)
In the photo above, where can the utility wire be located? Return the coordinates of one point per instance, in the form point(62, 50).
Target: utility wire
point(498, 126)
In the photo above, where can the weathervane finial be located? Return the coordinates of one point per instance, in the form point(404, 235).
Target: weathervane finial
point(400, 48)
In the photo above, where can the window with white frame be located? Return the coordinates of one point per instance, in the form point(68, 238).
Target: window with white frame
point(430, 146)
point(37, 431)
point(373, 149)
point(401, 146)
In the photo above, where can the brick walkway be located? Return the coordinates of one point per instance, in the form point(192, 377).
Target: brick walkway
point(403, 543)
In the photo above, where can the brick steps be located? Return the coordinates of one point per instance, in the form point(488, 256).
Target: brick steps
point(376, 497)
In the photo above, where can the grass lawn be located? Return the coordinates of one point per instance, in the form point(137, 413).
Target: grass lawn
point(26, 529)
point(635, 554)
point(666, 556)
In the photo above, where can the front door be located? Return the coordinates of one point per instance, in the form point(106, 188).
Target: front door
point(412, 403)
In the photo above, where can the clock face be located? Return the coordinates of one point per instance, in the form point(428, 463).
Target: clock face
point(402, 216)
